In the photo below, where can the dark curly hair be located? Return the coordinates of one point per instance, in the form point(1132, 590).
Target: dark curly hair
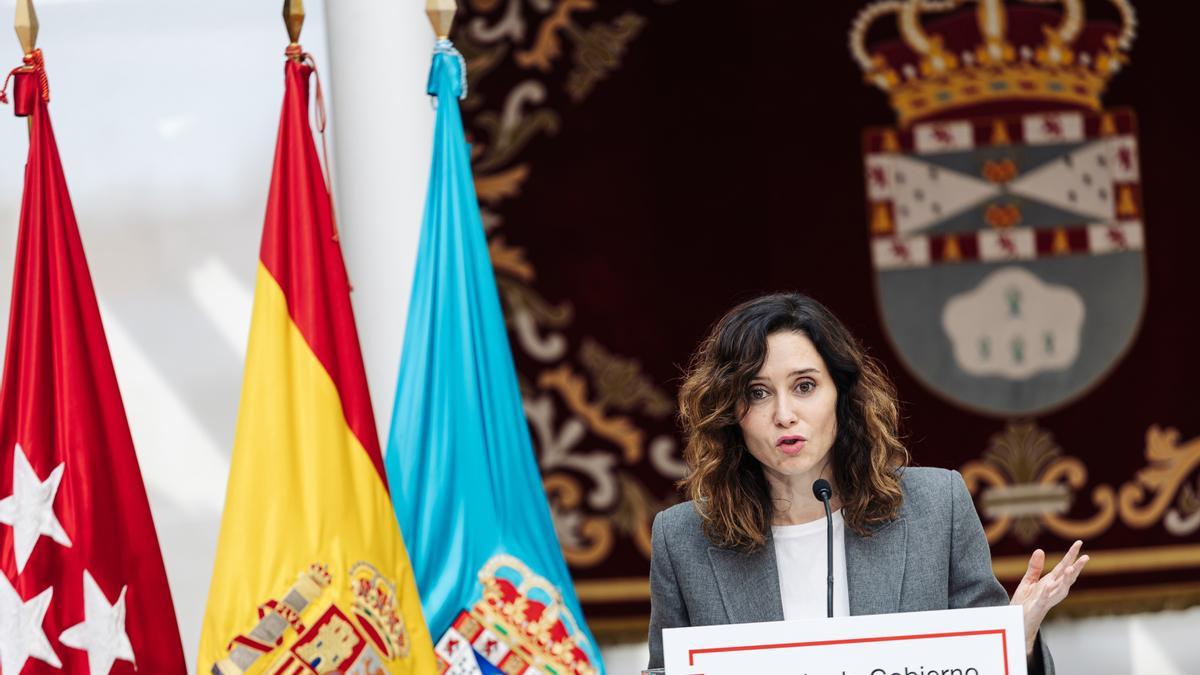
point(725, 482)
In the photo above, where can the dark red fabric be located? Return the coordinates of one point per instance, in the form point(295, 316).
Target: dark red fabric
point(25, 92)
point(59, 401)
point(301, 251)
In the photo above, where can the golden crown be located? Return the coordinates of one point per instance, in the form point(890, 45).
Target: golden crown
point(377, 606)
point(544, 633)
point(1007, 53)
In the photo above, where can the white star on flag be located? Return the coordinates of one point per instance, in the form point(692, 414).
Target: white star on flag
point(21, 633)
point(30, 508)
point(102, 634)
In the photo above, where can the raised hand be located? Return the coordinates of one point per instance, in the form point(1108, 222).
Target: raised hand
point(1037, 594)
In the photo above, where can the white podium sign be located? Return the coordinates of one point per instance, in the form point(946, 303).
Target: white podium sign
point(977, 641)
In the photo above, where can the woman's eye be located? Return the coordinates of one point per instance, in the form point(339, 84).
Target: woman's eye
point(806, 386)
point(758, 394)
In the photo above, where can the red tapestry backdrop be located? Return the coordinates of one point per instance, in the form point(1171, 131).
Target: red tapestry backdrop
point(995, 198)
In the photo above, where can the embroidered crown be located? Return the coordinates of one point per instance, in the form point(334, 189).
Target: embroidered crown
point(543, 631)
point(947, 61)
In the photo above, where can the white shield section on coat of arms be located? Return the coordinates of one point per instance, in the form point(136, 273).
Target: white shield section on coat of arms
point(1008, 253)
point(1005, 208)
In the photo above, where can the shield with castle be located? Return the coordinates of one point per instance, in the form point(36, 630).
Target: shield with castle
point(307, 631)
point(1004, 208)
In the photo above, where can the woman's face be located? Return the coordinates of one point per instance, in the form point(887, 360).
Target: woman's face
point(790, 420)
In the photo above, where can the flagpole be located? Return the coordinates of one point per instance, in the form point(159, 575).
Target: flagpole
point(26, 25)
point(441, 16)
point(293, 18)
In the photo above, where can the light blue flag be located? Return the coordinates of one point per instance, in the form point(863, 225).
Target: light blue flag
point(460, 462)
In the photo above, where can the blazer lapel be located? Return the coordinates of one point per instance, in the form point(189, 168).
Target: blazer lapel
point(875, 568)
point(748, 583)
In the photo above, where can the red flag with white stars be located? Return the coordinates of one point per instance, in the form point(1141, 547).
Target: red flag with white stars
point(82, 584)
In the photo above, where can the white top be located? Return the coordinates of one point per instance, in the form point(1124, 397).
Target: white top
point(801, 561)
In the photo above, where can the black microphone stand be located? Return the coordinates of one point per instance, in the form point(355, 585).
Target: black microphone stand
point(823, 491)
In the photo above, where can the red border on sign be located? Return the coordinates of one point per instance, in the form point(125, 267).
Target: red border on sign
point(883, 638)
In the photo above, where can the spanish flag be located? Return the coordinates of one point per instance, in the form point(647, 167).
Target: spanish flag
point(311, 572)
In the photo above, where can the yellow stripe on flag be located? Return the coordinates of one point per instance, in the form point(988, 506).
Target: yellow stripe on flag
point(308, 523)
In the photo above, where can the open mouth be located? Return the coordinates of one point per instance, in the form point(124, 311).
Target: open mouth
point(790, 445)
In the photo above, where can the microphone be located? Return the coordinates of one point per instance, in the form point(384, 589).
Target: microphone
point(823, 491)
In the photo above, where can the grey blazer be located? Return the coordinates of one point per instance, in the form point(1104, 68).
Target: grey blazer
point(934, 555)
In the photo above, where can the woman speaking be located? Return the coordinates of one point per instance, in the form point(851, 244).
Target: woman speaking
point(778, 397)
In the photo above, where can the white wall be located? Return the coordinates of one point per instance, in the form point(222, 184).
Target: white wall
point(1165, 643)
point(383, 120)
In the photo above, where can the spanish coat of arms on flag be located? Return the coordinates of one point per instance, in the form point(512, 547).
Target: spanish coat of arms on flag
point(1006, 227)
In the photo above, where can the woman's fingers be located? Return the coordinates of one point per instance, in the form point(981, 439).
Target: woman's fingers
point(1072, 553)
point(1076, 568)
point(1067, 561)
point(1074, 564)
point(1037, 562)
point(1039, 593)
point(1061, 583)
point(1029, 582)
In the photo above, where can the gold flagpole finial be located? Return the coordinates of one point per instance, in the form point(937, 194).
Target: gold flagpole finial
point(441, 15)
point(293, 18)
point(26, 25)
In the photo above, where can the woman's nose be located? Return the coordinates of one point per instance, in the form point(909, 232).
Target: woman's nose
point(785, 414)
